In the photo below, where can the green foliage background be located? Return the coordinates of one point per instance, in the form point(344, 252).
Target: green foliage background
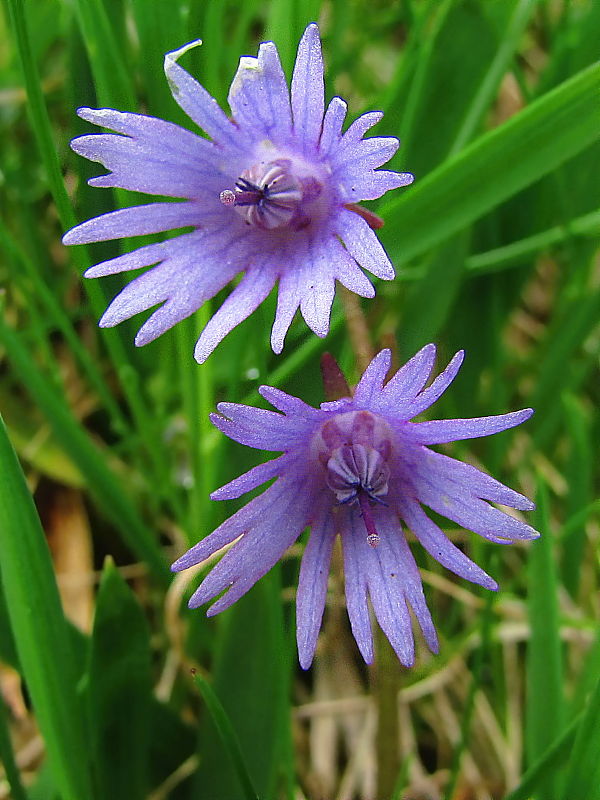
point(496, 250)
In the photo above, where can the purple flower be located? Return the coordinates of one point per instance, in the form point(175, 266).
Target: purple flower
point(359, 468)
point(272, 194)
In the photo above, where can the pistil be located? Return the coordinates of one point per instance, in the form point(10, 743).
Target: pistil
point(373, 537)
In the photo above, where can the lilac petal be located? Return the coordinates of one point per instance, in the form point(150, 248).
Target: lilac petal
point(347, 271)
point(471, 513)
point(363, 245)
point(317, 298)
point(356, 587)
point(410, 576)
point(185, 248)
point(287, 403)
point(371, 383)
point(256, 552)
point(174, 310)
point(144, 256)
point(428, 396)
point(234, 526)
point(357, 130)
point(479, 483)
point(148, 130)
point(437, 544)
point(288, 302)
point(308, 283)
point(332, 126)
point(259, 419)
point(197, 102)
point(153, 165)
point(368, 154)
point(135, 221)
point(439, 431)
point(263, 430)
point(244, 299)
point(385, 582)
point(176, 280)
point(259, 96)
point(405, 384)
point(357, 185)
point(145, 291)
point(312, 586)
point(308, 89)
point(251, 479)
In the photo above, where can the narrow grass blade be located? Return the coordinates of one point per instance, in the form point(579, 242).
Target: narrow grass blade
point(489, 85)
point(119, 691)
point(111, 74)
point(256, 706)
point(583, 775)
point(545, 702)
point(512, 254)
point(550, 763)
point(104, 485)
point(38, 113)
point(7, 757)
point(580, 479)
point(227, 734)
point(426, 309)
point(494, 167)
point(39, 627)
point(8, 650)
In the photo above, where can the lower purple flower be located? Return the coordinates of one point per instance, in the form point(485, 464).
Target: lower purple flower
point(358, 467)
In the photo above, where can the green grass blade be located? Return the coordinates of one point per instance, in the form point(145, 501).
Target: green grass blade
point(38, 113)
point(24, 267)
point(489, 85)
point(39, 626)
point(104, 485)
point(545, 702)
point(583, 775)
point(119, 691)
point(549, 763)
point(111, 75)
point(255, 622)
point(580, 479)
point(496, 166)
point(227, 734)
point(427, 309)
point(588, 225)
point(7, 757)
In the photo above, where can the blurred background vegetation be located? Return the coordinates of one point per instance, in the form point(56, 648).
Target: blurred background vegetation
point(496, 250)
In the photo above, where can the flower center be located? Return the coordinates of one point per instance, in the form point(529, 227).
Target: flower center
point(354, 448)
point(271, 196)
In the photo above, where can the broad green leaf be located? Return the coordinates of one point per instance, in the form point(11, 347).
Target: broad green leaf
point(494, 167)
point(119, 691)
point(39, 627)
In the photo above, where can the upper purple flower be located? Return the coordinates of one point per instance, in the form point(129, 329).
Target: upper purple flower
point(357, 467)
point(272, 193)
